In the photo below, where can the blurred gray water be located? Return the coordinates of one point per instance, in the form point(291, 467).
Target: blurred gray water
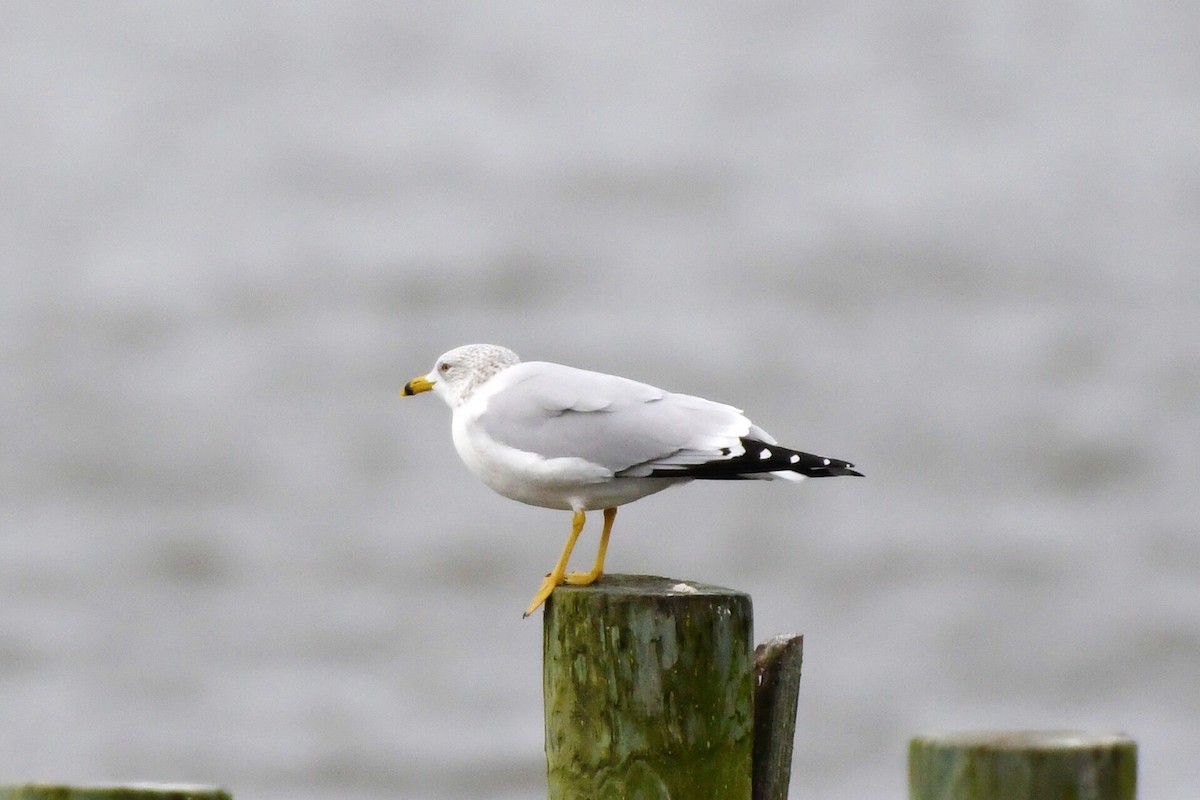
point(956, 243)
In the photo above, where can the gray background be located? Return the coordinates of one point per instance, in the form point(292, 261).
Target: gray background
point(956, 243)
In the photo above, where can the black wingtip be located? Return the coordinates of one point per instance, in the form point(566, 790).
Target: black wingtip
point(821, 467)
point(757, 458)
point(835, 470)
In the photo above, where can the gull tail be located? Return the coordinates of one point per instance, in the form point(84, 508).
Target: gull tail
point(760, 460)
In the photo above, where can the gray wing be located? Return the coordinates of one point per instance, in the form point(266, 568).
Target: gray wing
point(623, 425)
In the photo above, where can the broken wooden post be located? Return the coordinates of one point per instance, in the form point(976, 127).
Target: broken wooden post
point(649, 690)
point(776, 690)
point(1022, 765)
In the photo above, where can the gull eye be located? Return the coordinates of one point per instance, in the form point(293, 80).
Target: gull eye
point(444, 367)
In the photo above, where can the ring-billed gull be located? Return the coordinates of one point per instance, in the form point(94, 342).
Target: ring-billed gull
point(560, 437)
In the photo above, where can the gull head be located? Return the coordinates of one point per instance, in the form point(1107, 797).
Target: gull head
point(456, 374)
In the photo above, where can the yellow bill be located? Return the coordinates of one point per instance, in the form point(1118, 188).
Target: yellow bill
point(416, 386)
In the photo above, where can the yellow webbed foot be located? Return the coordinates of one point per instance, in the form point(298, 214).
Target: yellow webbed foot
point(549, 583)
point(559, 574)
point(556, 575)
point(582, 578)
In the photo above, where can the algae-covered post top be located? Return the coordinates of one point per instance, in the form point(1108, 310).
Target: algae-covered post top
point(1022, 765)
point(649, 690)
point(113, 791)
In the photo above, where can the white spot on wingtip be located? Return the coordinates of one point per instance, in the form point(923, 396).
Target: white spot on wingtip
point(765, 454)
point(827, 462)
point(795, 459)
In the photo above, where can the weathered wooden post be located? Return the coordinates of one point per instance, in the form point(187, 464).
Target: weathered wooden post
point(649, 690)
point(652, 691)
point(1022, 765)
point(127, 791)
point(776, 690)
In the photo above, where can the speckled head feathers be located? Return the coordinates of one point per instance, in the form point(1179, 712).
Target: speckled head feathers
point(456, 374)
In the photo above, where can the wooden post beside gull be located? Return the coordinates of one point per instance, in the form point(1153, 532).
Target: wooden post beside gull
point(650, 691)
point(1022, 765)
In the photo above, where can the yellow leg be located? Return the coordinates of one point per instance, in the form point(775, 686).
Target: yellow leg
point(556, 575)
point(588, 578)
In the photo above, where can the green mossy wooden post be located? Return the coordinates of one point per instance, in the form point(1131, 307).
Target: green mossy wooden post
point(127, 791)
point(649, 690)
point(1022, 765)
